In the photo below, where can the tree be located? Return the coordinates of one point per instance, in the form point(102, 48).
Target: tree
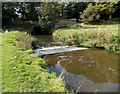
point(99, 10)
point(117, 12)
point(79, 7)
point(9, 13)
point(107, 8)
point(73, 9)
point(29, 10)
point(49, 15)
point(90, 14)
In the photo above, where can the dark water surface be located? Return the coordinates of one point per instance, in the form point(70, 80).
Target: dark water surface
point(90, 70)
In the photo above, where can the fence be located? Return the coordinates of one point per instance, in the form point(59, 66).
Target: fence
point(65, 22)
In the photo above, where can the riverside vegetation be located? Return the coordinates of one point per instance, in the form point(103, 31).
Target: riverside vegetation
point(103, 36)
point(23, 71)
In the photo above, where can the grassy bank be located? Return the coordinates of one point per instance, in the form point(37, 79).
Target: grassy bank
point(105, 36)
point(23, 71)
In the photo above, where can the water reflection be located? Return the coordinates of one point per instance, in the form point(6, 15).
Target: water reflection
point(47, 41)
point(91, 70)
point(97, 68)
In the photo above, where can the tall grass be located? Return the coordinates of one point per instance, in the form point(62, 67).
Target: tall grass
point(24, 41)
point(90, 36)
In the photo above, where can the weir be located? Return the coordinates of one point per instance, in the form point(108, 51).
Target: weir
point(56, 49)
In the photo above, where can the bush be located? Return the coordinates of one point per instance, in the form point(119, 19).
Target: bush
point(24, 41)
point(74, 26)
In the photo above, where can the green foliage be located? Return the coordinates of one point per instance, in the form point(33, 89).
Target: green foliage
point(8, 13)
point(112, 47)
point(94, 11)
point(91, 36)
point(23, 71)
point(24, 41)
point(14, 15)
point(49, 15)
point(17, 15)
point(29, 10)
point(107, 8)
point(90, 14)
point(73, 9)
point(74, 26)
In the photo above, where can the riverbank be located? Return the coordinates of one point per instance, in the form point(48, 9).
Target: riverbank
point(23, 71)
point(102, 36)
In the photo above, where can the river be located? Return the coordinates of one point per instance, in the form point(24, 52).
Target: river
point(90, 70)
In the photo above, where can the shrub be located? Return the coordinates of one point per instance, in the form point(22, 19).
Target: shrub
point(24, 41)
point(74, 26)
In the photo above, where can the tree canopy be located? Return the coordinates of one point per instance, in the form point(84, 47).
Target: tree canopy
point(49, 13)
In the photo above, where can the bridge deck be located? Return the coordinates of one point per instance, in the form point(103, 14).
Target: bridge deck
point(57, 49)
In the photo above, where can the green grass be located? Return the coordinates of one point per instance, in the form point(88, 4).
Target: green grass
point(0, 61)
point(90, 36)
point(23, 71)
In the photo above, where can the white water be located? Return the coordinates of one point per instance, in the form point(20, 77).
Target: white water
point(57, 49)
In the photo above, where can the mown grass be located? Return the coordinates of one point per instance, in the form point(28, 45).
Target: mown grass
point(23, 71)
point(105, 36)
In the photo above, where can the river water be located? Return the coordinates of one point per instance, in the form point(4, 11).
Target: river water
point(90, 70)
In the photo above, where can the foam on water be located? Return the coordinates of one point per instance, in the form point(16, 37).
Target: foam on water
point(57, 49)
